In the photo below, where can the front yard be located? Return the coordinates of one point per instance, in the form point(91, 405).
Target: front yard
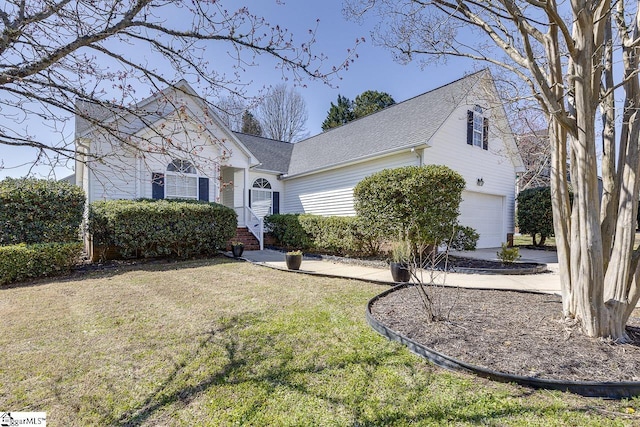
point(217, 342)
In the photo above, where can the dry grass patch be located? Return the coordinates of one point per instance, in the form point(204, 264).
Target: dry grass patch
point(218, 342)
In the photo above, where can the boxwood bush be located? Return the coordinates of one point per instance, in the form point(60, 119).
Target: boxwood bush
point(21, 262)
point(332, 234)
point(39, 211)
point(151, 228)
point(288, 231)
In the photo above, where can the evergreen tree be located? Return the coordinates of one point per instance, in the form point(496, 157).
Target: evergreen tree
point(250, 124)
point(370, 101)
point(339, 114)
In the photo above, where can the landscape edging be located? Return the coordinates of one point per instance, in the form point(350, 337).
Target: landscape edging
point(615, 390)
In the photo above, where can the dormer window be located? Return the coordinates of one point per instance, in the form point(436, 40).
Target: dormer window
point(477, 128)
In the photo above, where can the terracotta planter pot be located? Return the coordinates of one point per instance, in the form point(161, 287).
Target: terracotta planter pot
point(293, 261)
point(400, 272)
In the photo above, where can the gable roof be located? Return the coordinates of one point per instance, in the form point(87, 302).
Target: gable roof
point(405, 125)
point(273, 155)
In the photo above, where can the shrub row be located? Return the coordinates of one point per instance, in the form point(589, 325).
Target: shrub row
point(39, 211)
point(343, 235)
point(337, 235)
point(21, 262)
point(149, 228)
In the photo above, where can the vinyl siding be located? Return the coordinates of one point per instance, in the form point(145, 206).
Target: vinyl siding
point(330, 193)
point(494, 165)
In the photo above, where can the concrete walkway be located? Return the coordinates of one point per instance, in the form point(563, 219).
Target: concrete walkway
point(544, 282)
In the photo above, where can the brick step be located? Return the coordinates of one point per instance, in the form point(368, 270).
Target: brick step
point(245, 236)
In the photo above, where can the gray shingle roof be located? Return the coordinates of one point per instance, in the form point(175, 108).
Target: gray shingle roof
point(273, 155)
point(404, 125)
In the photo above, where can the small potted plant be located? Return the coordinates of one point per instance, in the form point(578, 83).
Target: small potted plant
point(293, 259)
point(237, 248)
point(400, 257)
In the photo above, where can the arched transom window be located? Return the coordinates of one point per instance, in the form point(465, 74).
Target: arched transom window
point(181, 180)
point(261, 197)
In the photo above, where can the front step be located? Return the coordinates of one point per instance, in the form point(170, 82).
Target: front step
point(244, 235)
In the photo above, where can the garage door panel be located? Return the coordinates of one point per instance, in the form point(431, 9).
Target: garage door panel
point(485, 213)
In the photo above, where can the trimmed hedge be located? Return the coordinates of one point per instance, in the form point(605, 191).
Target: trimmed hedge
point(286, 228)
point(150, 228)
point(418, 203)
point(333, 234)
point(39, 211)
point(21, 262)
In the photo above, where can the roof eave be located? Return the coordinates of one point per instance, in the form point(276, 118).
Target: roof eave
point(361, 159)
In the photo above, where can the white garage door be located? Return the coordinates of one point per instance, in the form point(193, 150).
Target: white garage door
point(485, 213)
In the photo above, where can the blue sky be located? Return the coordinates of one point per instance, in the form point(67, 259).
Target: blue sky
point(373, 70)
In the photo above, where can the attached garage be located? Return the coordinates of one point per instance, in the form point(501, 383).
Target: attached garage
point(485, 213)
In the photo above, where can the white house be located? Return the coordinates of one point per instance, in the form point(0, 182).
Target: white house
point(189, 152)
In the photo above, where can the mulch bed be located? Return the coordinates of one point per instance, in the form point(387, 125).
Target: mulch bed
point(511, 332)
point(462, 262)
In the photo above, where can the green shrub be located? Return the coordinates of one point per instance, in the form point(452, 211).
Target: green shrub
point(329, 234)
point(419, 203)
point(535, 214)
point(149, 228)
point(39, 211)
point(20, 262)
point(287, 230)
point(508, 255)
point(465, 239)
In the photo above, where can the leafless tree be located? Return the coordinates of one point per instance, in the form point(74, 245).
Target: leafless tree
point(532, 138)
point(53, 53)
point(283, 114)
point(230, 110)
point(566, 54)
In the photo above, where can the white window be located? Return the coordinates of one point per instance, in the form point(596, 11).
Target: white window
point(181, 180)
point(261, 196)
point(478, 123)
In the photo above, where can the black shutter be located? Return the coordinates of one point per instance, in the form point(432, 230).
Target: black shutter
point(470, 127)
point(157, 185)
point(249, 198)
point(485, 134)
point(276, 202)
point(203, 189)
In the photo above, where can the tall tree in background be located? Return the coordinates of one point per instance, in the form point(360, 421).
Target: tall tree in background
point(250, 124)
point(532, 138)
point(339, 113)
point(283, 114)
point(566, 54)
point(345, 110)
point(106, 53)
point(230, 109)
point(370, 101)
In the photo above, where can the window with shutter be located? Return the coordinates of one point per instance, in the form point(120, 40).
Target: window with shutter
point(477, 128)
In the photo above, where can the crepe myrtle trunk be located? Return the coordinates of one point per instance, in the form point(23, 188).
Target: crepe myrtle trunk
point(600, 297)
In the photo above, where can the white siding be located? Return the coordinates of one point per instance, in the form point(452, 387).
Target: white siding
point(330, 193)
point(495, 167)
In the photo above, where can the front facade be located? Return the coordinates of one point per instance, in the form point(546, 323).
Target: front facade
point(461, 125)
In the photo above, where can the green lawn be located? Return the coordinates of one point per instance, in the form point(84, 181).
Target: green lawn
point(219, 342)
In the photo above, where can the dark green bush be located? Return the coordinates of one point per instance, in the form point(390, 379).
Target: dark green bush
point(330, 234)
point(39, 211)
point(465, 239)
point(535, 214)
point(418, 203)
point(150, 228)
point(287, 230)
point(20, 262)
